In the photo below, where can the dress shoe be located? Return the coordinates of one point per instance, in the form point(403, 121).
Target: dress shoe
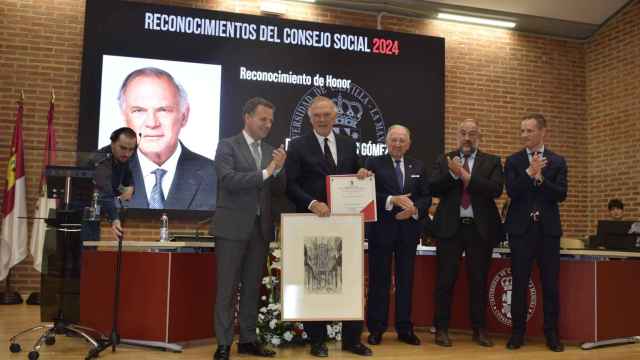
point(319, 350)
point(515, 342)
point(375, 338)
point(409, 338)
point(442, 338)
point(255, 348)
point(481, 337)
point(222, 352)
point(358, 349)
point(554, 344)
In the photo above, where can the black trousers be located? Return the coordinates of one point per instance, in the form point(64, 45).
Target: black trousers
point(402, 249)
point(317, 331)
point(546, 250)
point(477, 259)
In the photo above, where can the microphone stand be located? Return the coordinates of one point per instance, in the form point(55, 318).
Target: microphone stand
point(114, 338)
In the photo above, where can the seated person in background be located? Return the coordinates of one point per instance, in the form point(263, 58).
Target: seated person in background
point(616, 213)
point(616, 209)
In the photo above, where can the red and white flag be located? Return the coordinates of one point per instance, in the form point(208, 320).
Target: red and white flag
point(44, 204)
point(13, 244)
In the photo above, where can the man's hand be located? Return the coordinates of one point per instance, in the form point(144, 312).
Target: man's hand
point(126, 193)
point(406, 213)
point(278, 158)
point(535, 168)
point(402, 201)
point(321, 209)
point(116, 228)
point(454, 166)
point(363, 173)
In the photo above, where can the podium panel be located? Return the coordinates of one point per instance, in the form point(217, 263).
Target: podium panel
point(164, 296)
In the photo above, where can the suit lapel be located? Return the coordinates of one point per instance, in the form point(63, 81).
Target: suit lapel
point(479, 160)
point(316, 151)
point(139, 198)
point(245, 150)
point(183, 188)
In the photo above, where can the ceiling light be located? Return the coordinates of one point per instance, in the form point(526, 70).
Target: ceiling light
point(477, 20)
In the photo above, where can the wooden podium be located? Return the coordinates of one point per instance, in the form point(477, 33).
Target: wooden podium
point(165, 297)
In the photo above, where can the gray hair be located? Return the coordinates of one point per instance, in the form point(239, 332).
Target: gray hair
point(157, 73)
point(398, 126)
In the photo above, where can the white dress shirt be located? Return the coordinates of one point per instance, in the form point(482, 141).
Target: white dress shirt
point(147, 166)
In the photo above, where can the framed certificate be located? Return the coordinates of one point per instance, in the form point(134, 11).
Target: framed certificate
point(322, 267)
point(346, 194)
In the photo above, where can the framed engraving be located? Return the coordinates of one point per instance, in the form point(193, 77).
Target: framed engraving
point(322, 267)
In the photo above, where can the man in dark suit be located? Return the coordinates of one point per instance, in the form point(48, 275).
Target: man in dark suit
point(403, 200)
point(467, 181)
point(310, 158)
point(536, 183)
point(166, 174)
point(193, 186)
point(249, 173)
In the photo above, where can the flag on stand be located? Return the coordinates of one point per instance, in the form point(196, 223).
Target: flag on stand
point(43, 205)
point(13, 244)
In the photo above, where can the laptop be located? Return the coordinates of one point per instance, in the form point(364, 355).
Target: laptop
point(619, 235)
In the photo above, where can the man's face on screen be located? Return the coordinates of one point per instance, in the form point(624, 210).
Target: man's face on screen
point(322, 115)
point(258, 124)
point(152, 109)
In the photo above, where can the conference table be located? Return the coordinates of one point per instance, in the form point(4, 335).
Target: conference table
point(167, 297)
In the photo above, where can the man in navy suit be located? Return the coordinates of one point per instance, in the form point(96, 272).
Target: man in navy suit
point(467, 181)
point(310, 158)
point(166, 174)
point(403, 200)
point(536, 181)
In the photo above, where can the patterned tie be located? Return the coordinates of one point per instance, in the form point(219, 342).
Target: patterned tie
point(328, 156)
point(465, 202)
point(156, 201)
point(255, 151)
point(399, 176)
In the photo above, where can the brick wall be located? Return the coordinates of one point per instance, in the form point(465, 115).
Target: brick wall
point(612, 62)
point(493, 75)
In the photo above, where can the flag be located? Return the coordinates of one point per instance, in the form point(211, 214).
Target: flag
point(13, 244)
point(44, 204)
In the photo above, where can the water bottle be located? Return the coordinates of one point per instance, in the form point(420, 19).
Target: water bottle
point(95, 205)
point(164, 228)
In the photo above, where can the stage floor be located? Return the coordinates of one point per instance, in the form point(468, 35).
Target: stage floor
point(14, 318)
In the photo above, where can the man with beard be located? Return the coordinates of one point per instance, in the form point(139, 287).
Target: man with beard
point(467, 181)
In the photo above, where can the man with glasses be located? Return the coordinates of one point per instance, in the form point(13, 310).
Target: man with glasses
point(467, 181)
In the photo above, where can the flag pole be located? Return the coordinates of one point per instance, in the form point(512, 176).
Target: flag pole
point(9, 296)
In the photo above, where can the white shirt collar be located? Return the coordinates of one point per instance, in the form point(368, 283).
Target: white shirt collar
point(147, 166)
point(531, 151)
point(331, 137)
point(249, 139)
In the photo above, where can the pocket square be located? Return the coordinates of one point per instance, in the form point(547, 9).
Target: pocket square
point(415, 175)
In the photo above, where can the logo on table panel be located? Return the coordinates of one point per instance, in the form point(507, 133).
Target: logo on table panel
point(500, 292)
point(355, 107)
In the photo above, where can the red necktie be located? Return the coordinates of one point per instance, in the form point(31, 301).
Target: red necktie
point(465, 202)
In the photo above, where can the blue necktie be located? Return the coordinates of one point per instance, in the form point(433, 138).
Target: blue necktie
point(399, 176)
point(156, 200)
